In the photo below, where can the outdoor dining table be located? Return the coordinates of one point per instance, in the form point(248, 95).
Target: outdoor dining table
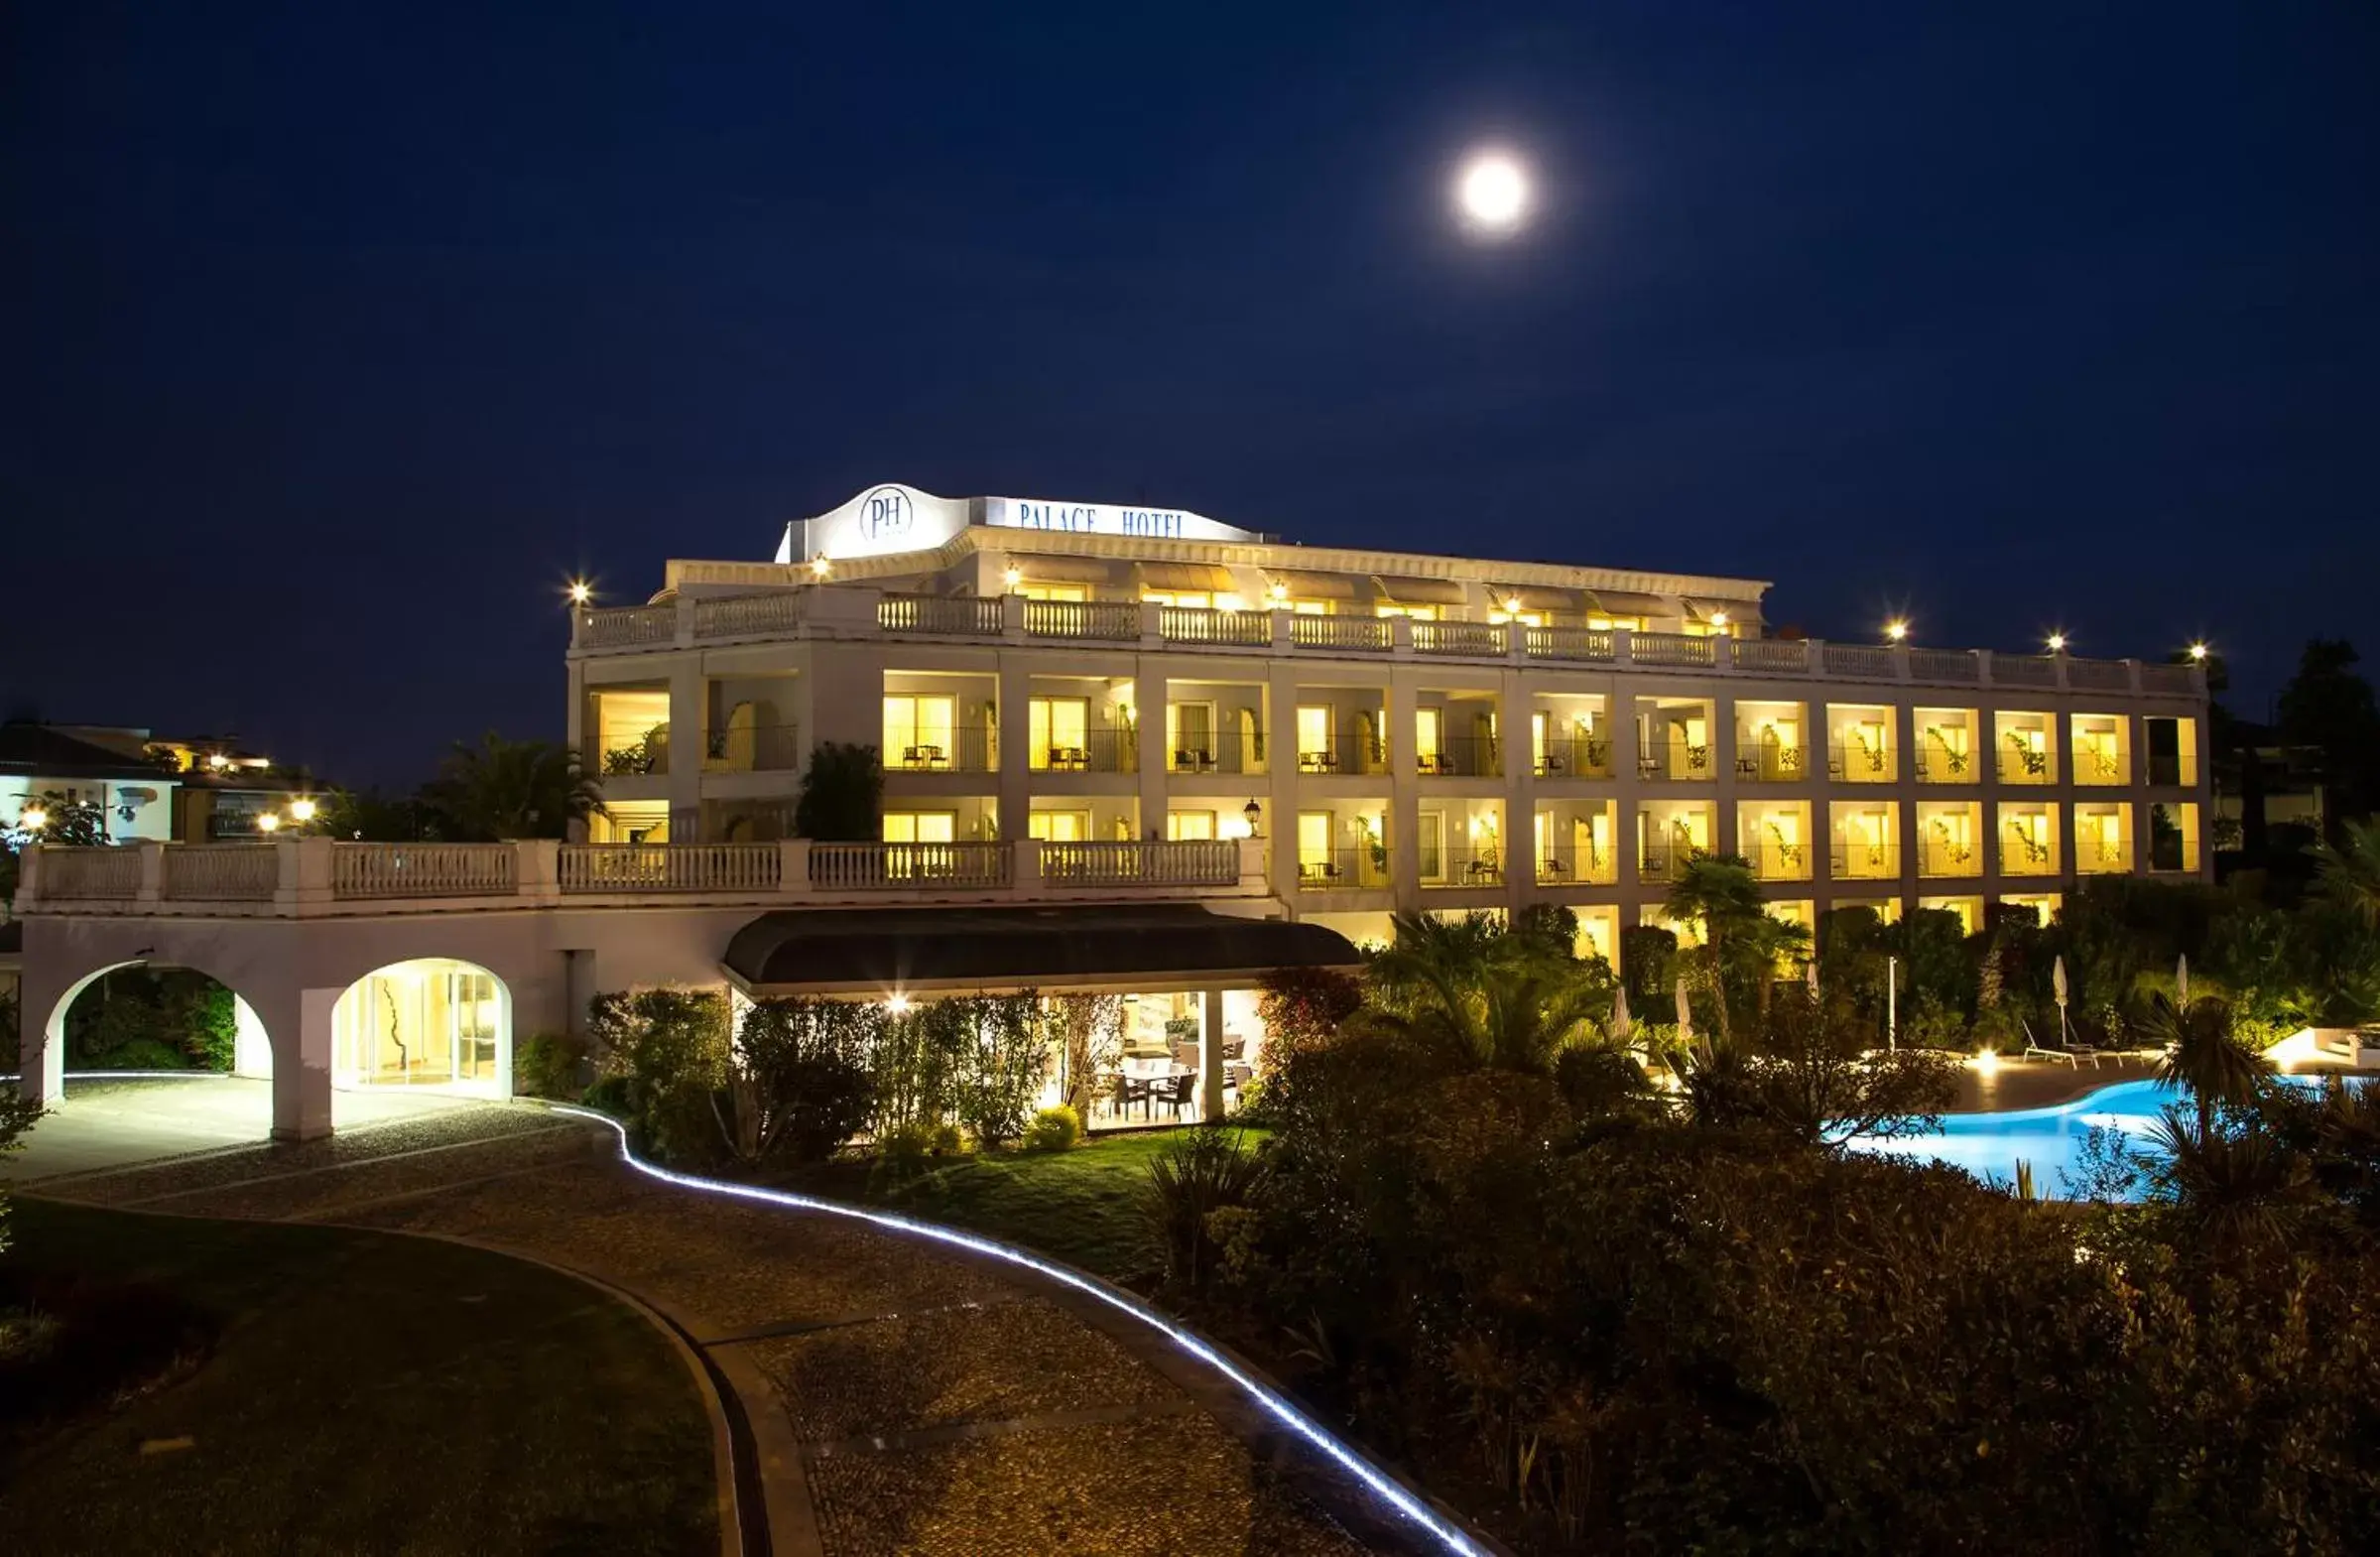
point(1145, 1081)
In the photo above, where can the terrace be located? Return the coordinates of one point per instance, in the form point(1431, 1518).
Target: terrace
point(842, 611)
point(305, 878)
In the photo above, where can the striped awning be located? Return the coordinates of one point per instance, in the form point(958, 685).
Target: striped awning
point(1186, 578)
point(1314, 585)
point(1631, 602)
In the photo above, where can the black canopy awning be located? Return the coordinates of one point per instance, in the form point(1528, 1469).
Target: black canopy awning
point(886, 949)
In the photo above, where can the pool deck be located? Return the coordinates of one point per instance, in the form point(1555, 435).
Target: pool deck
point(2045, 1084)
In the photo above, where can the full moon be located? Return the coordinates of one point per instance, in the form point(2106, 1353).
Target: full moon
point(1493, 193)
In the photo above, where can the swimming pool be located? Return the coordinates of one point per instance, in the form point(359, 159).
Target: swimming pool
point(1988, 1145)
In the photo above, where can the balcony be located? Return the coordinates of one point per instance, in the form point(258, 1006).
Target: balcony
point(2172, 770)
point(2100, 856)
point(1856, 762)
point(1661, 860)
point(302, 877)
point(2025, 765)
point(1944, 856)
point(1578, 756)
point(1463, 756)
point(2028, 854)
point(1676, 760)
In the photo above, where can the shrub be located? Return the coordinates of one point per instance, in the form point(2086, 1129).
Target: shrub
point(1205, 1169)
point(1053, 1129)
point(903, 1151)
point(1002, 1050)
point(799, 1079)
point(950, 1141)
point(549, 1065)
point(671, 1045)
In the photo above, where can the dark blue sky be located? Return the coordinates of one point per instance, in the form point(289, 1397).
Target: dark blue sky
point(336, 338)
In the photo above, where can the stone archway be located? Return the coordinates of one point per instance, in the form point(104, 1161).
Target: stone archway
point(430, 1024)
point(183, 1108)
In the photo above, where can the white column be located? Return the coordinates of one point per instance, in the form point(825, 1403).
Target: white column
point(687, 742)
point(1211, 1059)
point(1517, 735)
point(299, 1023)
point(1015, 787)
point(1404, 787)
point(1149, 694)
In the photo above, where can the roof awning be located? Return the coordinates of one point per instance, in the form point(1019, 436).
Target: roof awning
point(1314, 585)
point(1195, 578)
point(1537, 598)
point(1741, 613)
point(873, 950)
point(1044, 568)
point(1421, 591)
point(1631, 602)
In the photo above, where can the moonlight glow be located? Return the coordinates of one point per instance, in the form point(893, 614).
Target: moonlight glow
point(1493, 193)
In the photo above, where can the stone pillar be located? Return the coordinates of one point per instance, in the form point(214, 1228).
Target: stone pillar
point(1404, 787)
point(1150, 694)
point(299, 1023)
point(1281, 768)
point(1015, 787)
point(1211, 1059)
point(1516, 734)
point(689, 740)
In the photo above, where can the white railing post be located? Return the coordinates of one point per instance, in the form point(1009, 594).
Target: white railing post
point(793, 857)
point(1400, 637)
point(152, 871)
point(1900, 653)
point(1251, 866)
point(1982, 672)
point(1285, 630)
point(682, 628)
point(1816, 650)
point(1012, 617)
point(29, 878)
point(1623, 646)
point(539, 870)
point(1025, 866)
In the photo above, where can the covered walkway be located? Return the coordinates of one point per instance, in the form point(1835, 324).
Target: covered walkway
point(105, 1124)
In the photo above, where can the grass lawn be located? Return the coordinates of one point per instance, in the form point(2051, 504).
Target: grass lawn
point(1076, 1205)
point(367, 1392)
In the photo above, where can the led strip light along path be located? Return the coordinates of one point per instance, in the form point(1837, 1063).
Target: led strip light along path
point(1443, 1532)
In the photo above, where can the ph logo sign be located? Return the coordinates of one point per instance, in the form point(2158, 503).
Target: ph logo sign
point(884, 512)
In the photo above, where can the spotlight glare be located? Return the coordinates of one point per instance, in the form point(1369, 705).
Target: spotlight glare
point(1493, 193)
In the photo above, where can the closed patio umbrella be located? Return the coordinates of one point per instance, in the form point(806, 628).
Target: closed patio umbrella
point(2181, 980)
point(1619, 1016)
point(2057, 988)
point(1685, 1015)
point(1811, 966)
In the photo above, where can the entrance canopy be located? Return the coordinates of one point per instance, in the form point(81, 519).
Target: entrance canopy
point(879, 951)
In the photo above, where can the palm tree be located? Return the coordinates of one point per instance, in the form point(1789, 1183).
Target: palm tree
point(2202, 1055)
point(508, 789)
point(1721, 893)
point(2349, 874)
point(1485, 998)
point(2239, 1185)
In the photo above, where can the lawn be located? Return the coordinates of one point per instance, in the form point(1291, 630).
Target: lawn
point(1077, 1205)
point(364, 1392)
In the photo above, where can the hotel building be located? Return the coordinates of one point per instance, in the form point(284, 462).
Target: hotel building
point(1132, 752)
point(1405, 732)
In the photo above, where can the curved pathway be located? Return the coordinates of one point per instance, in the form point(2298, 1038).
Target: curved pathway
point(898, 1396)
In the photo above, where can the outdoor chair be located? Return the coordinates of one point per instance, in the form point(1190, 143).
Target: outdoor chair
point(2035, 1051)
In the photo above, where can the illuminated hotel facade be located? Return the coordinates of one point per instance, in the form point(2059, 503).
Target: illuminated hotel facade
point(1403, 732)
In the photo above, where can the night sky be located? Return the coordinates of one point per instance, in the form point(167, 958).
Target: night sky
point(336, 339)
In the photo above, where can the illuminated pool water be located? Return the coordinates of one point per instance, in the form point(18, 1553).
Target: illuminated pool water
point(1988, 1145)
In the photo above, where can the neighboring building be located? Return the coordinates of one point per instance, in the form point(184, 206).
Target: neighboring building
point(191, 790)
point(134, 794)
point(1409, 731)
point(2261, 783)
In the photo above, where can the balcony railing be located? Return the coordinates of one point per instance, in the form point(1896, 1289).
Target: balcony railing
point(1478, 640)
point(1466, 865)
point(1768, 762)
point(1663, 860)
point(2095, 856)
point(1855, 762)
point(2024, 765)
point(2024, 854)
point(1943, 856)
point(1185, 862)
point(2171, 770)
point(1342, 754)
point(801, 612)
point(1574, 757)
point(222, 872)
point(1855, 861)
point(2097, 765)
point(1940, 764)
point(1232, 749)
point(1775, 861)
point(1104, 748)
point(1568, 866)
point(1360, 868)
point(972, 751)
point(305, 876)
point(669, 868)
point(1677, 759)
point(1463, 756)
point(753, 748)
